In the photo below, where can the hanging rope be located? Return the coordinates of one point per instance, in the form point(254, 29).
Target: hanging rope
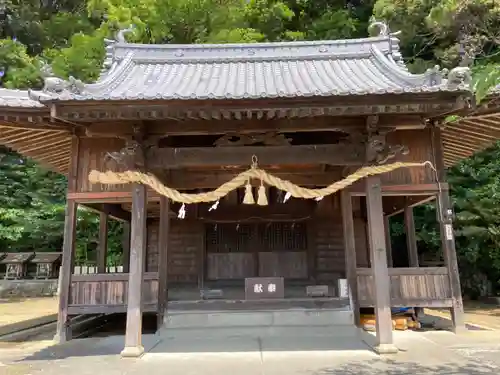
point(115, 178)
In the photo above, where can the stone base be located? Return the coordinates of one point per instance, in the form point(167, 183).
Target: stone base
point(386, 349)
point(460, 329)
point(132, 351)
point(62, 336)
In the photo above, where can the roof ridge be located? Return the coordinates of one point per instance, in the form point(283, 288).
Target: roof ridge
point(119, 48)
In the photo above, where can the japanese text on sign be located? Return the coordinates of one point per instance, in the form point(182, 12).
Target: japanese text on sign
point(264, 287)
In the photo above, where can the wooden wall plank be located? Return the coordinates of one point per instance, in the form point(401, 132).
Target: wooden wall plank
point(94, 155)
point(420, 147)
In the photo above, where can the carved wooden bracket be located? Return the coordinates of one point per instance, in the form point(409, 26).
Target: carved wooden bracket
point(377, 149)
point(133, 155)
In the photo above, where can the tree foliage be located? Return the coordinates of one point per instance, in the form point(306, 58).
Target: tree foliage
point(69, 35)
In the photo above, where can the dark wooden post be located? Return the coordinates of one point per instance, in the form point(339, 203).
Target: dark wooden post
point(411, 237)
point(378, 256)
point(126, 247)
point(63, 332)
point(445, 213)
point(163, 259)
point(102, 251)
point(133, 340)
point(445, 218)
point(388, 243)
point(350, 251)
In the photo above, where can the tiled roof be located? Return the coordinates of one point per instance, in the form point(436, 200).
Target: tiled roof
point(253, 71)
point(17, 99)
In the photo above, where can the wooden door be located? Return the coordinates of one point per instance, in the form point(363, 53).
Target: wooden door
point(236, 251)
point(282, 250)
point(229, 251)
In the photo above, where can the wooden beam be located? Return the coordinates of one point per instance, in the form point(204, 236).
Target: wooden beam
point(102, 250)
point(114, 211)
point(402, 190)
point(164, 229)
point(126, 196)
point(133, 340)
point(210, 179)
point(350, 251)
point(336, 154)
point(101, 196)
point(378, 256)
point(412, 201)
point(293, 210)
point(411, 237)
point(197, 127)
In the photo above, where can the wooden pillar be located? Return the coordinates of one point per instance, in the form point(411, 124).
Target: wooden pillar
point(388, 243)
point(445, 213)
point(445, 218)
point(102, 250)
point(411, 237)
point(378, 256)
point(350, 251)
point(133, 339)
point(126, 247)
point(163, 259)
point(63, 331)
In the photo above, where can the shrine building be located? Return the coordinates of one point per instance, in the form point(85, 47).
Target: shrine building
point(264, 174)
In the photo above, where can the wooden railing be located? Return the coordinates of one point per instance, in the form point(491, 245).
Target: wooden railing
point(107, 293)
point(412, 287)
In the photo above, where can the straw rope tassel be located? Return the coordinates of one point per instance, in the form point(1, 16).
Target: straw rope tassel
point(262, 197)
point(248, 198)
point(113, 178)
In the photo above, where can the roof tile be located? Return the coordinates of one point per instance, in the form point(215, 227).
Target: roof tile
point(17, 99)
point(253, 71)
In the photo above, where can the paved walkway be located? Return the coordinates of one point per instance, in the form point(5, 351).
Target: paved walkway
point(294, 351)
point(289, 353)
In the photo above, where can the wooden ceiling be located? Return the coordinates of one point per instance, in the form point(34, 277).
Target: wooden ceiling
point(471, 134)
point(49, 146)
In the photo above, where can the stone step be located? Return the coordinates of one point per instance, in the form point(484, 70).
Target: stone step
point(290, 333)
point(259, 318)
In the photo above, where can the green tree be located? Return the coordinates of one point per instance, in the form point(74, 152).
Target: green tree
point(31, 205)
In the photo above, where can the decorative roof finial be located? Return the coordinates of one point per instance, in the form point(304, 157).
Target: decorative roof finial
point(120, 35)
point(377, 28)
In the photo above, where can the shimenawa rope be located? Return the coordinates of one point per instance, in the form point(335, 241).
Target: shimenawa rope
point(114, 178)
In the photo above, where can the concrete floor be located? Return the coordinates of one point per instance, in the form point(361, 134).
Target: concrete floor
point(289, 352)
